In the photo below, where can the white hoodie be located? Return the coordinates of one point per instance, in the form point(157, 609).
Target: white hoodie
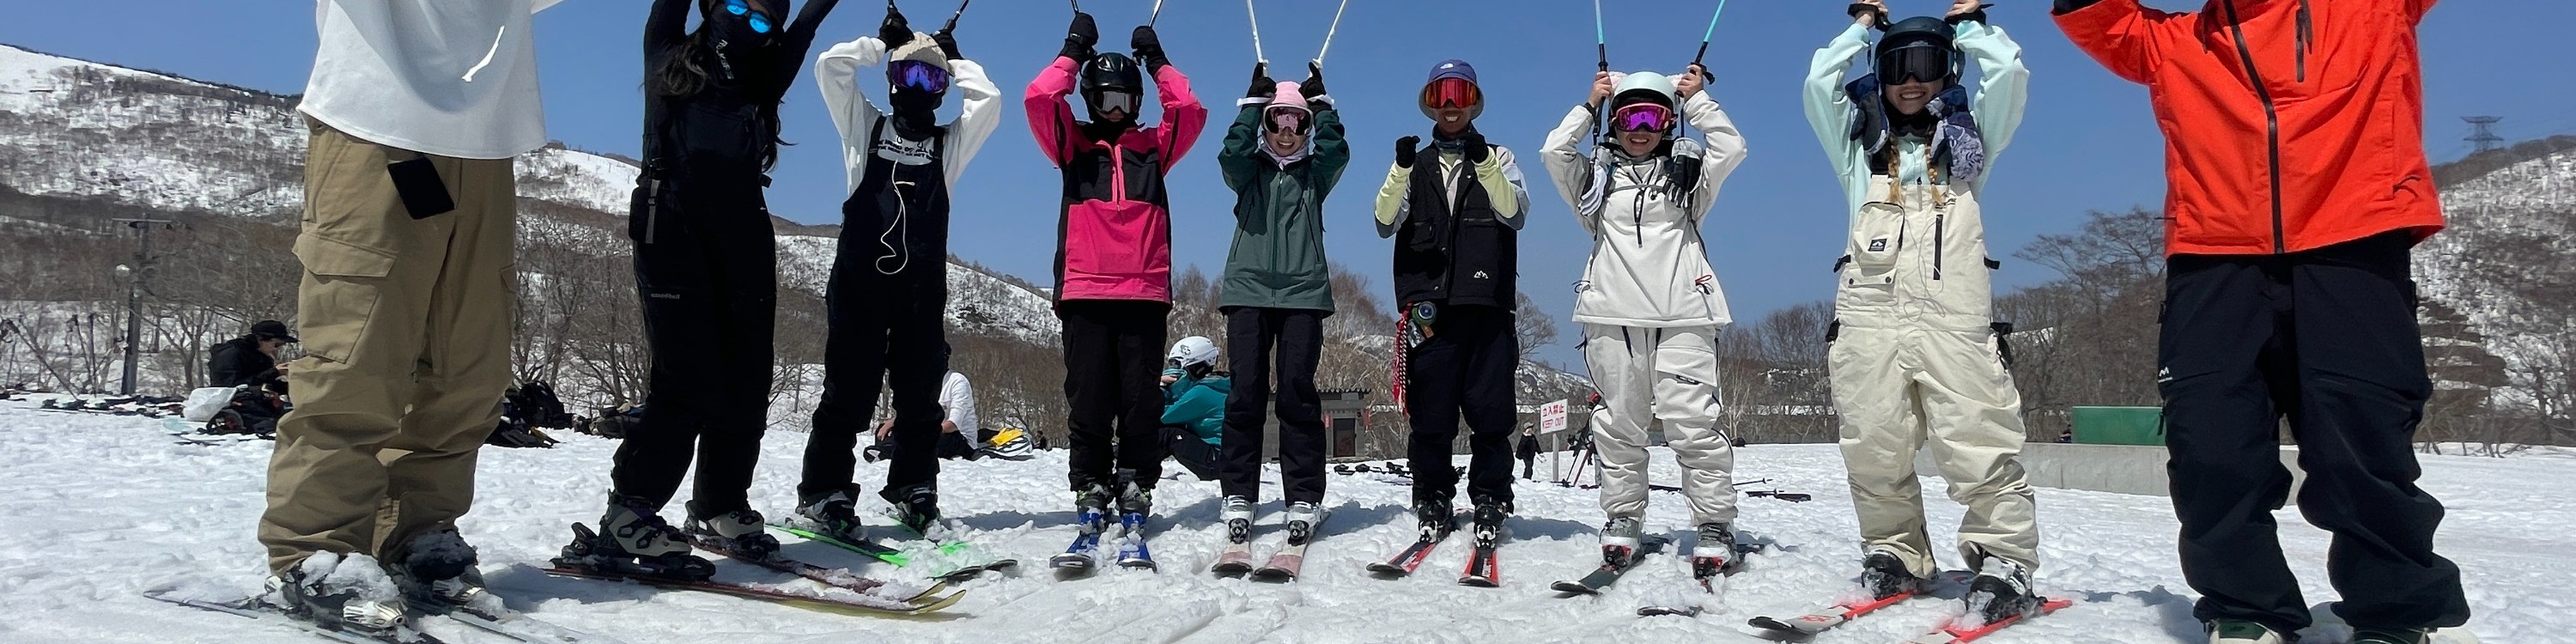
point(1649, 266)
point(454, 78)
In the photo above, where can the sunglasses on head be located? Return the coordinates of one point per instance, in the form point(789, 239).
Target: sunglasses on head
point(759, 21)
point(917, 75)
point(1451, 92)
point(1642, 117)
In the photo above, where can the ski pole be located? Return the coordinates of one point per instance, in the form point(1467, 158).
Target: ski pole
point(961, 13)
point(1256, 32)
point(1328, 33)
point(1712, 32)
point(1601, 46)
point(1157, 15)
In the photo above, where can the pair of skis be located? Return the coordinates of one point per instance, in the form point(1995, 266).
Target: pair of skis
point(1483, 566)
point(945, 552)
point(1284, 564)
point(492, 619)
point(1083, 556)
point(1806, 626)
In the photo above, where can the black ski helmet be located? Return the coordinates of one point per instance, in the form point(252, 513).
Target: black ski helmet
point(1112, 72)
point(1923, 39)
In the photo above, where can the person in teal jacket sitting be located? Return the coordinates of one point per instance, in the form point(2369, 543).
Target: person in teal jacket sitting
point(1194, 405)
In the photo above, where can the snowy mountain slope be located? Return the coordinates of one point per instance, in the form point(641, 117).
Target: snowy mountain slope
point(2511, 238)
point(98, 509)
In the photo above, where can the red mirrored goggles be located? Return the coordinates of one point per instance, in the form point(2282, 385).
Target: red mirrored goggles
point(1451, 92)
point(1642, 117)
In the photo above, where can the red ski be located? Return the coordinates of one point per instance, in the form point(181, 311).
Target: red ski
point(1964, 634)
point(1819, 621)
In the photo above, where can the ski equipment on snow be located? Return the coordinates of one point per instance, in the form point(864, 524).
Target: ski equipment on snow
point(1961, 634)
point(1610, 569)
point(1284, 565)
point(878, 607)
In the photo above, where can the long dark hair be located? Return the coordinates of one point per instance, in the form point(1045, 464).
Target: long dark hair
point(683, 73)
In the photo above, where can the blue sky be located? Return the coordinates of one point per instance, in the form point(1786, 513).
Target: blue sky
point(2089, 143)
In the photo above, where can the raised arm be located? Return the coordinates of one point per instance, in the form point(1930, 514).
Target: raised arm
point(2121, 34)
point(1239, 159)
point(665, 25)
point(1726, 149)
point(1184, 119)
point(1566, 166)
point(798, 39)
point(1050, 117)
point(1393, 205)
point(1500, 174)
point(1332, 150)
point(2003, 90)
point(836, 72)
point(976, 121)
point(1829, 108)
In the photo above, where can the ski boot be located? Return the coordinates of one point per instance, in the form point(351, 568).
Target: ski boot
point(1436, 518)
point(916, 507)
point(1489, 522)
point(834, 515)
point(1134, 507)
point(2001, 591)
point(634, 541)
point(1237, 515)
point(1302, 517)
point(1091, 509)
point(1714, 556)
point(436, 572)
point(741, 532)
point(1885, 575)
point(340, 592)
point(1619, 541)
point(2233, 631)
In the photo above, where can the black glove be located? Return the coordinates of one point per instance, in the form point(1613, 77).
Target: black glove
point(1262, 86)
point(1477, 149)
point(1405, 149)
point(947, 45)
point(1856, 9)
point(1313, 88)
point(1149, 49)
point(1978, 15)
point(1080, 37)
point(895, 32)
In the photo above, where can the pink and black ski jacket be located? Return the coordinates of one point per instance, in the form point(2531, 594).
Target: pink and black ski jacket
point(1114, 238)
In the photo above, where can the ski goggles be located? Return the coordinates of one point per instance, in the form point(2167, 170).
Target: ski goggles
point(1451, 92)
point(918, 75)
point(1288, 120)
point(1642, 117)
point(1922, 62)
point(1122, 101)
point(742, 8)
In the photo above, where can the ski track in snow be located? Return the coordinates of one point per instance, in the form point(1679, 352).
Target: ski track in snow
point(95, 509)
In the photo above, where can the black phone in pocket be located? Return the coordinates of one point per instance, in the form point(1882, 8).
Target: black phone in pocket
point(417, 183)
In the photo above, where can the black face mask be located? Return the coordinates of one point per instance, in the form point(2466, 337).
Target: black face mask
point(734, 39)
point(915, 111)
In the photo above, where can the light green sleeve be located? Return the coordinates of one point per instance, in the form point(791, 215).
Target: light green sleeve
point(1829, 110)
point(1391, 206)
point(2003, 93)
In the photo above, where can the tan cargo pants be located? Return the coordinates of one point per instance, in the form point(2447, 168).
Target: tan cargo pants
point(406, 329)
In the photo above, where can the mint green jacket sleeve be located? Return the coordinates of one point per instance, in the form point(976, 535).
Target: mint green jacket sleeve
point(1830, 111)
point(2003, 91)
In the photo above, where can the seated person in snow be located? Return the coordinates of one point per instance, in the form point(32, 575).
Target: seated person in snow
point(957, 398)
point(1194, 395)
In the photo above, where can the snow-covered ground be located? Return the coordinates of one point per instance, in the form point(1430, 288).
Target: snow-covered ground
point(95, 509)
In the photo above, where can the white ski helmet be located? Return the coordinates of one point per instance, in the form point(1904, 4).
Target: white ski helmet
point(1194, 350)
point(1645, 86)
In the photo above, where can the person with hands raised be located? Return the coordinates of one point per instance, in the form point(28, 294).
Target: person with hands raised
point(1649, 304)
point(1455, 211)
point(888, 294)
point(1282, 157)
point(707, 262)
point(1916, 355)
point(1114, 256)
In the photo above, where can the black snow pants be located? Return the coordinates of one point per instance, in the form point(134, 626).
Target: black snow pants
point(1466, 370)
point(2327, 338)
point(887, 331)
point(1250, 335)
point(1113, 355)
point(708, 273)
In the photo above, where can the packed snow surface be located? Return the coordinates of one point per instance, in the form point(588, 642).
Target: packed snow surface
point(95, 509)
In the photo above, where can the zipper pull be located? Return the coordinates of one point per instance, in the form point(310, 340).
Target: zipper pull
point(2304, 33)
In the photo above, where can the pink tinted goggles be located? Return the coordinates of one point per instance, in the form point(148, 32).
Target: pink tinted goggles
point(1642, 117)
